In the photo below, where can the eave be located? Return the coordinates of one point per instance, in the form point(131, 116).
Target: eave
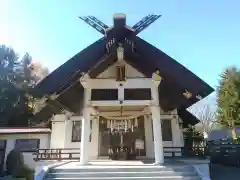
point(172, 72)
point(71, 70)
point(187, 118)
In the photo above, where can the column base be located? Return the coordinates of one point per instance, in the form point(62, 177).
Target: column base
point(158, 164)
point(83, 164)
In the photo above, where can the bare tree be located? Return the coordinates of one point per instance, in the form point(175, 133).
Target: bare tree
point(206, 113)
point(206, 116)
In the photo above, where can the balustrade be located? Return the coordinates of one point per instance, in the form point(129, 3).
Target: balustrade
point(74, 153)
point(57, 154)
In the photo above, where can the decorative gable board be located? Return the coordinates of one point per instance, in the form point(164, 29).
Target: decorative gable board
point(111, 72)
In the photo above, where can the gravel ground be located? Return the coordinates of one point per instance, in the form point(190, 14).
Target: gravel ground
point(219, 172)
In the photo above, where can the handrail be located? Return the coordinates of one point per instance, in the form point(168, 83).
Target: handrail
point(57, 154)
point(196, 151)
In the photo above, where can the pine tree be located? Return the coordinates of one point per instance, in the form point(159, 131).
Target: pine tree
point(228, 98)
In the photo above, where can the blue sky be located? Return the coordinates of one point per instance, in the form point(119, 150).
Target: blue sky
point(202, 35)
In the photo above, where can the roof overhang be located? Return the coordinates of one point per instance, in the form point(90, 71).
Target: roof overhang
point(176, 79)
point(69, 72)
point(187, 118)
point(9, 131)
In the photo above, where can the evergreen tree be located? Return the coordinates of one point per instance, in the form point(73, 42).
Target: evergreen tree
point(228, 98)
point(17, 77)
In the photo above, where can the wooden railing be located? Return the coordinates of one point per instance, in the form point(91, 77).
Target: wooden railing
point(198, 151)
point(57, 154)
point(74, 153)
point(173, 151)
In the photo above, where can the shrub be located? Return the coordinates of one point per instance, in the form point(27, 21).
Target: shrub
point(16, 167)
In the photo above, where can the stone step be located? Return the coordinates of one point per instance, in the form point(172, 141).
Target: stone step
point(129, 178)
point(123, 169)
point(119, 174)
point(183, 172)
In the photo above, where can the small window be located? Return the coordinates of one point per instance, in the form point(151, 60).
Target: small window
point(121, 73)
point(137, 94)
point(76, 131)
point(27, 145)
point(104, 94)
point(167, 130)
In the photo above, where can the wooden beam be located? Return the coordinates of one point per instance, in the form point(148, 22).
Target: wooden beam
point(121, 103)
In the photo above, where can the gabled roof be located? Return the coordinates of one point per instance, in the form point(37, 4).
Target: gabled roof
point(140, 54)
point(71, 70)
point(146, 58)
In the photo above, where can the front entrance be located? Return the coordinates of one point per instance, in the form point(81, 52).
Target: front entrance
point(123, 138)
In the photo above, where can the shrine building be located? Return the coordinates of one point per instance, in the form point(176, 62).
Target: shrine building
point(120, 97)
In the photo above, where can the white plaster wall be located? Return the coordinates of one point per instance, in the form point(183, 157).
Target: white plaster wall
point(176, 136)
point(61, 136)
point(28, 156)
point(149, 138)
point(59, 129)
point(93, 145)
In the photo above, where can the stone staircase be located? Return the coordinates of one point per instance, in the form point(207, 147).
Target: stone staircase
point(169, 172)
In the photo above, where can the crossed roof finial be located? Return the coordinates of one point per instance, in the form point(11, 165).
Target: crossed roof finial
point(119, 20)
